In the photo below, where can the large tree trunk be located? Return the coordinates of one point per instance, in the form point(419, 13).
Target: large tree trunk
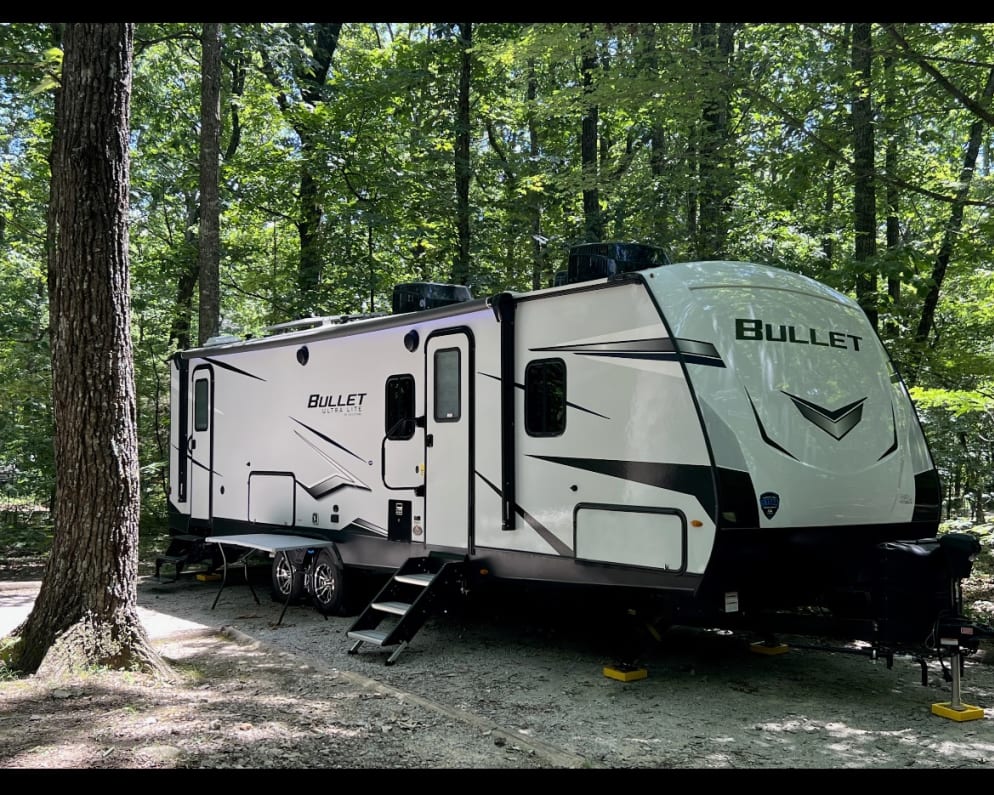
point(714, 170)
point(210, 208)
point(186, 280)
point(86, 612)
point(461, 266)
point(659, 167)
point(312, 79)
point(864, 189)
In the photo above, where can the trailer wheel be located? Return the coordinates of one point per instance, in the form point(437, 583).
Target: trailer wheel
point(327, 583)
point(288, 580)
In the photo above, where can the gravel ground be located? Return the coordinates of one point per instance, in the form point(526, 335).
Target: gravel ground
point(486, 688)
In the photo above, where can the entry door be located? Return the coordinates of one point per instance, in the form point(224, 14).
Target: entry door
point(200, 448)
point(448, 425)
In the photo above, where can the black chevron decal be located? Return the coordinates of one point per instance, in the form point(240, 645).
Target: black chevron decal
point(836, 423)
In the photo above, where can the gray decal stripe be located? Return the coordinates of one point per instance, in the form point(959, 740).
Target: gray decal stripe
point(696, 480)
point(195, 462)
point(655, 345)
point(225, 366)
point(328, 439)
point(568, 403)
point(547, 535)
point(658, 357)
point(893, 445)
point(698, 348)
point(705, 360)
point(339, 479)
point(834, 416)
point(367, 527)
point(662, 357)
point(658, 349)
point(835, 423)
point(762, 430)
point(331, 484)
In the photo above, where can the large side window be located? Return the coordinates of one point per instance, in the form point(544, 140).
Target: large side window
point(400, 407)
point(201, 404)
point(545, 397)
point(447, 397)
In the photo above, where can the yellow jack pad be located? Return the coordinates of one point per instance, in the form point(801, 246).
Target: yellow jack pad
point(208, 577)
point(965, 712)
point(769, 648)
point(625, 673)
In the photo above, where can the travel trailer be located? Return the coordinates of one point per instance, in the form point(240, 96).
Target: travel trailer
point(724, 443)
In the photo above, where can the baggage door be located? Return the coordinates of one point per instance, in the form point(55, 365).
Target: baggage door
point(448, 424)
point(200, 447)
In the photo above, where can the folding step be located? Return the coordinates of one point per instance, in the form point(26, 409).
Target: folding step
point(397, 608)
point(415, 579)
point(418, 588)
point(374, 636)
point(183, 550)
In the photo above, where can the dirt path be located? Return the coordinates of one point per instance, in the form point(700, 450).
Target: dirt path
point(480, 691)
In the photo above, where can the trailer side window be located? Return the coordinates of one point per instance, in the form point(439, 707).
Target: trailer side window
point(201, 404)
point(400, 407)
point(545, 397)
point(447, 397)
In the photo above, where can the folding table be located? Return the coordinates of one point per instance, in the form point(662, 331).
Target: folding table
point(271, 543)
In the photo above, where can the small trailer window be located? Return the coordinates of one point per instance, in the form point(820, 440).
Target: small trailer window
point(447, 397)
point(201, 404)
point(400, 407)
point(545, 397)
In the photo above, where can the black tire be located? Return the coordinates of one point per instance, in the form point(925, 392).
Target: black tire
point(326, 583)
point(286, 580)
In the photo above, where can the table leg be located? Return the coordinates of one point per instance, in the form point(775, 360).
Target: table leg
point(242, 561)
point(286, 604)
point(224, 576)
point(245, 559)
point(304, 560)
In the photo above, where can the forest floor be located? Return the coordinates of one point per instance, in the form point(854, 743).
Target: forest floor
point(496, 687)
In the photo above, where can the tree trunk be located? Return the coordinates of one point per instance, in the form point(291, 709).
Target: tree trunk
point(864, 186)
point(312, 79)
point(893, 193)
point(659, 167)
point(976, 139)
point(714, 172)
point(186, 282)
point(534, 196)
point(210, 208)
point(827, 241)
point(86, 612)
point(593, 220)
point(461, 266)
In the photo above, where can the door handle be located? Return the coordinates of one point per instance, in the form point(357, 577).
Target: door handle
point(430, 440)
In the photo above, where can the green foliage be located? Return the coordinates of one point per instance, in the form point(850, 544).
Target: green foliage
point(27, 531)
point(25, 414)
point(8, 647)
point(958, 403)
point(380, 140)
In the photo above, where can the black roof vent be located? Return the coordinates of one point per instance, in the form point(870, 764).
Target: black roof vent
point(599, 260)
point(415, 296)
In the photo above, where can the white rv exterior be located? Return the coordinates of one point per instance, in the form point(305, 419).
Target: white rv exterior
point(728, 434)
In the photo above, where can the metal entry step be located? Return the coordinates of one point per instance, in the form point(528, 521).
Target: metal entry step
point(419, 587)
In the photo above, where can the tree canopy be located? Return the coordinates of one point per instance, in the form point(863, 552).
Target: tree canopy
point(356, 155)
